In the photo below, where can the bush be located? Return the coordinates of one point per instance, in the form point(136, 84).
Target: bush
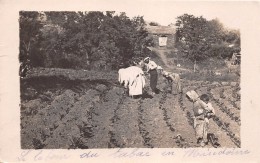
point(199, 39)
point(221, 51)
point(82, 40)
point(227, 77)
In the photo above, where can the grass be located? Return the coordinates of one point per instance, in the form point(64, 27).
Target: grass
point(205, 69)
point(156, 58)
point(227, 77)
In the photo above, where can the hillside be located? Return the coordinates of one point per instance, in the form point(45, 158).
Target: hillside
point(74, 109)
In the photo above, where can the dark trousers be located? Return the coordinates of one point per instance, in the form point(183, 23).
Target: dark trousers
point(153, 79)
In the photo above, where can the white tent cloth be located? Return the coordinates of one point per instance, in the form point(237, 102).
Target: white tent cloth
point(136, 80)
point(133, 78)
point(123, 76)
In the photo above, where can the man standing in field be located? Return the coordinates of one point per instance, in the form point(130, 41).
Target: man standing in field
point(151, 68)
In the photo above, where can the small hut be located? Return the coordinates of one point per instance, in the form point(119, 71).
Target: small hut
point(163, 35)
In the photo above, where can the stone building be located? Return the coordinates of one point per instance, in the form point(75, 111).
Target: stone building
point(164, 36)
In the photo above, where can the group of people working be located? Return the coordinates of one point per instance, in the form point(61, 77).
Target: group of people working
point(133, 78)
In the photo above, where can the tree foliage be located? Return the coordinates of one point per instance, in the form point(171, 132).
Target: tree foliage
point(30, 24)
point(199, 39)
point(102, 40)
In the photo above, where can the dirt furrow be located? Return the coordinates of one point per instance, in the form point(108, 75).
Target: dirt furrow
point(226, 113)
point(232, 114)
point(225, 105)
point(184, 118)
point(50, 132)
point(77, 115)
point(114, 142)
point(124, 124)
point(176, 120)
point(236, 96)
point(142, 126)
point(231, 128)
point(226, 138)
point(228, 93)
point(165, 108)
point(152, 120)
point(103, 113)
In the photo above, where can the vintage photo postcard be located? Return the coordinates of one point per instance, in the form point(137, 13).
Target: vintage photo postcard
point(129, 81)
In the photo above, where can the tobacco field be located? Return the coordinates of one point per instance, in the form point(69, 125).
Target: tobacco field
point(69, 109)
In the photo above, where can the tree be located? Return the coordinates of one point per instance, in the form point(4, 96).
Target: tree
point(30, 24)
point(199, 39)
point(192, 37)
point(92, 39)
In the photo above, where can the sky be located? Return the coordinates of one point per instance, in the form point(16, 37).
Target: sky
point(233, 14)
point(165, 11)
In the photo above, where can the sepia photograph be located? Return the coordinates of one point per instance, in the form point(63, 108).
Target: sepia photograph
point(131, 81)
point(97, 79)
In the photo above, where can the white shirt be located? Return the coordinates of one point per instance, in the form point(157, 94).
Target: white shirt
point(151, 65)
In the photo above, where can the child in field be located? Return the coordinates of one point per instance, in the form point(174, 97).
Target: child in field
point(175, 81)
point(203, 111)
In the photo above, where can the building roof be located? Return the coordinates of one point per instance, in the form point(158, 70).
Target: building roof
point(167, 30)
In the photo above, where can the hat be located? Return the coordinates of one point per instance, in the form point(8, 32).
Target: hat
point(204, 97)
point(192, 95)
point(165, 73)
point(147, 58)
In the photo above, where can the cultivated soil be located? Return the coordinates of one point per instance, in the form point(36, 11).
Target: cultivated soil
point(68, 109)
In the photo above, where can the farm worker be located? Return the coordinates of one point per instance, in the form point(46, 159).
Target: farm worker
point(203, 111)
point(159, 69)
point(175, 81)
point(151, 68)
point(136, 81)
point(123, 77)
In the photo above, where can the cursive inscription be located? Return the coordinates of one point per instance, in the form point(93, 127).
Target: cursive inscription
point(23, 155)
point(41, 155)
point(89, 155)
point(213, 152)
point(47, 155)
point(129, 154)
point(168, 153)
